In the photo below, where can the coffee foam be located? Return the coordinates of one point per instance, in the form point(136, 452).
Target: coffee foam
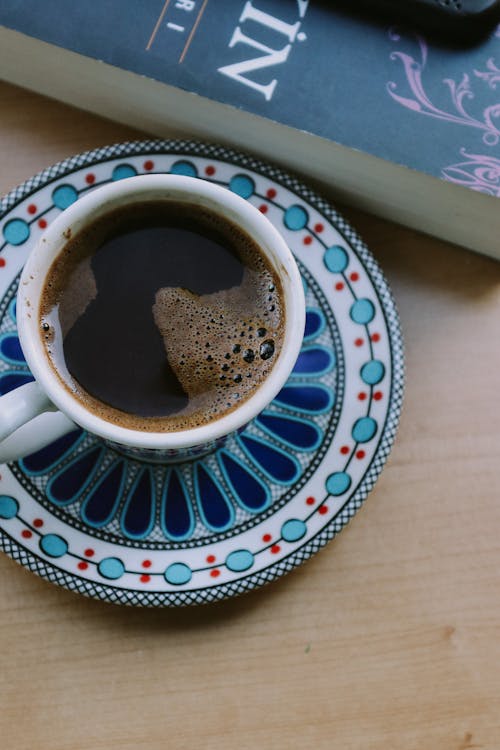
point(221, 346)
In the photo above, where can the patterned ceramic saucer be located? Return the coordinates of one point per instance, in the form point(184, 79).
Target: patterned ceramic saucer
point(87, 518)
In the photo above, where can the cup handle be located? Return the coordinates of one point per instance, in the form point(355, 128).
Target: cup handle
point(20, 406)
point(29, 421)
point(34, 435)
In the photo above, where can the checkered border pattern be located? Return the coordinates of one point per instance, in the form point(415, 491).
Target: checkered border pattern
point(285, 565)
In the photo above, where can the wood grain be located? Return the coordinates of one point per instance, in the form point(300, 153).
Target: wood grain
point(389, 638)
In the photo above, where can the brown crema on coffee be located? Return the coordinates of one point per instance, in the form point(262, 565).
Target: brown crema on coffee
point(162, 316)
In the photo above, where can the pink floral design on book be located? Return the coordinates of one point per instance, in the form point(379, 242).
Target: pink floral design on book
point(462, 101)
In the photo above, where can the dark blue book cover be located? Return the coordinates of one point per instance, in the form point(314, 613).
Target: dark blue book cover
point(372, 87)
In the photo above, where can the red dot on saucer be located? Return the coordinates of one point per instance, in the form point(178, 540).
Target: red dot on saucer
point(210, 558)
point(354, 276)
point(275, 549)
point(323, 509)
point(37, 523)
point(310, 501)
point(32, 208)
point(266, 537)
point(90, 178)
point(148, 165)
point(89, 552)
point(307, 240)
point(26, 534)
point(339, 286)
point(375, 337)
point(215, 573)
point(378, 395)
point(210, 170)
point(318, 228)
point(271, 193)
point(360, 454)
point(82, 565)
point(263, 209)
point(361, 396)
point(344, 450)
point(358, 342)
point(2, 262)
point(146, 563)
point(42, 223)
point(145, 578)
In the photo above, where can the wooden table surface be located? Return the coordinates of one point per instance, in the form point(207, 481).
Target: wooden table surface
point(388, 639)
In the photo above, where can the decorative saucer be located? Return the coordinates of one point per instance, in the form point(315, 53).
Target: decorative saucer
point(85, 517)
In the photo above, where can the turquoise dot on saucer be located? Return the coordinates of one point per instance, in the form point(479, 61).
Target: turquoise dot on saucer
point(372, 372)
point(53, 545)
point(178, 573)
point(64, 195)
point(293, 529)
point(8, 507)
point(295, 218)
point(123, 171)
point(338, 483)
point(364, 429)
point(185, 168)
point(240, 559)
point(336, 259)
point(111, 567)
point(362, 311)
point(242, 185)
point(16, 231)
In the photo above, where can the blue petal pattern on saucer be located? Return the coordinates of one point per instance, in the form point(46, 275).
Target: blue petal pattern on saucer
point(68, 483)
point(273, 462)
point(101, 503)
point(138, 514)
point(312, 399)
point(314, 360)
point(214, 506)
point(46, 458)
point(299, 434)
point(177, 517)
point(249, 491)
point(315, 323)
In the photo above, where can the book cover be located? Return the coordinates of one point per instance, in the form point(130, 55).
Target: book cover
point(371, 87)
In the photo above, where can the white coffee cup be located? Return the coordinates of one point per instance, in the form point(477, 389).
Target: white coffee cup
point(47, 394)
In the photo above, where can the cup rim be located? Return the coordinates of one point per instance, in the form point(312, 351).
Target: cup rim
point(103, 199)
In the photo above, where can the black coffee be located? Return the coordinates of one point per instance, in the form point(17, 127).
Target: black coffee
point(162, 316)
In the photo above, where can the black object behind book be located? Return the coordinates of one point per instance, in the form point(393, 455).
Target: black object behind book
point(466, 19)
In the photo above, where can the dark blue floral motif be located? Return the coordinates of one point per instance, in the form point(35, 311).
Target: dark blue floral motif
point(298, 434)
point(177, 517)
point(311, 399)
point(101, 504)
point(215, 509)
point(138, 514)
point(272, 461)
point(48, 457)
point(73, 479)
point(314, 360)
point(249, 491)
point(315, 323)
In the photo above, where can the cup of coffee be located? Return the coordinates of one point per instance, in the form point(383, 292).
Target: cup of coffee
point(161, 313)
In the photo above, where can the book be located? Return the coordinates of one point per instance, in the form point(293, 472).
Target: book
point(389, 120)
